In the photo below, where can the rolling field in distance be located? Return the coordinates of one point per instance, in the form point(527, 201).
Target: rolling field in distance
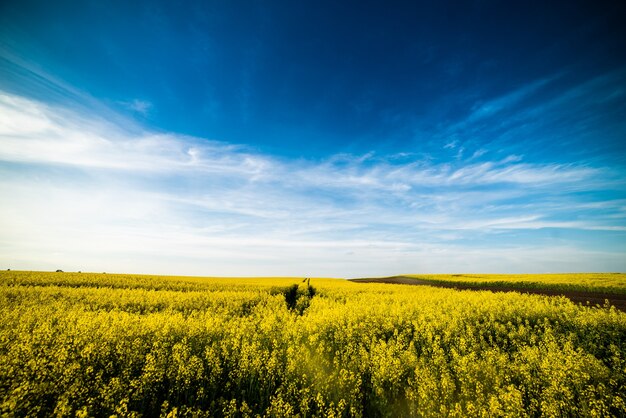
point(83, 344)
point(591, 289)
point(591, 282)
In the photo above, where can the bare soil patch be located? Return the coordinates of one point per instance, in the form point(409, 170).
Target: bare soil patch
point(582, 297)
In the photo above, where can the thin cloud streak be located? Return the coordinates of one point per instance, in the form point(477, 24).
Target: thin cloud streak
point(549, 117)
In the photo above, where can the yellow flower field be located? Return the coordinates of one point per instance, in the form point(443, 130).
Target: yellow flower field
point(81, 344)
point(594, 282)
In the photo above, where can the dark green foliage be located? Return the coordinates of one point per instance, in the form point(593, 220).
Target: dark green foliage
point(297, 298)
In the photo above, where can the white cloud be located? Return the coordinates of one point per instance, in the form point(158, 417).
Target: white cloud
point(140, 106)
point(492, 107)
point(87, 194)
point(543, 116)
point(33, 132)
point(478, 153)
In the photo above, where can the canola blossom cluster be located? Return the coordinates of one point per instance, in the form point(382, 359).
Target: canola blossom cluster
point(121, 345)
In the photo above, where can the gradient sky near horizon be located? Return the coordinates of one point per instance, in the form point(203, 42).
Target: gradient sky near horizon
point(320, 138)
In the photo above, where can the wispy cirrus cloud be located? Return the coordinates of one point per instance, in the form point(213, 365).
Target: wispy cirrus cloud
point(143, 107)
point(82, 188)
point(33, 132)
point(553, 116)
point(492, 107)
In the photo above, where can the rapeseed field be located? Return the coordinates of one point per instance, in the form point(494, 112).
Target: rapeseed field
point(588, 282)
point(120, 345)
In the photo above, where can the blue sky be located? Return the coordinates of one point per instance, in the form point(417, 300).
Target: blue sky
point(312, 138)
